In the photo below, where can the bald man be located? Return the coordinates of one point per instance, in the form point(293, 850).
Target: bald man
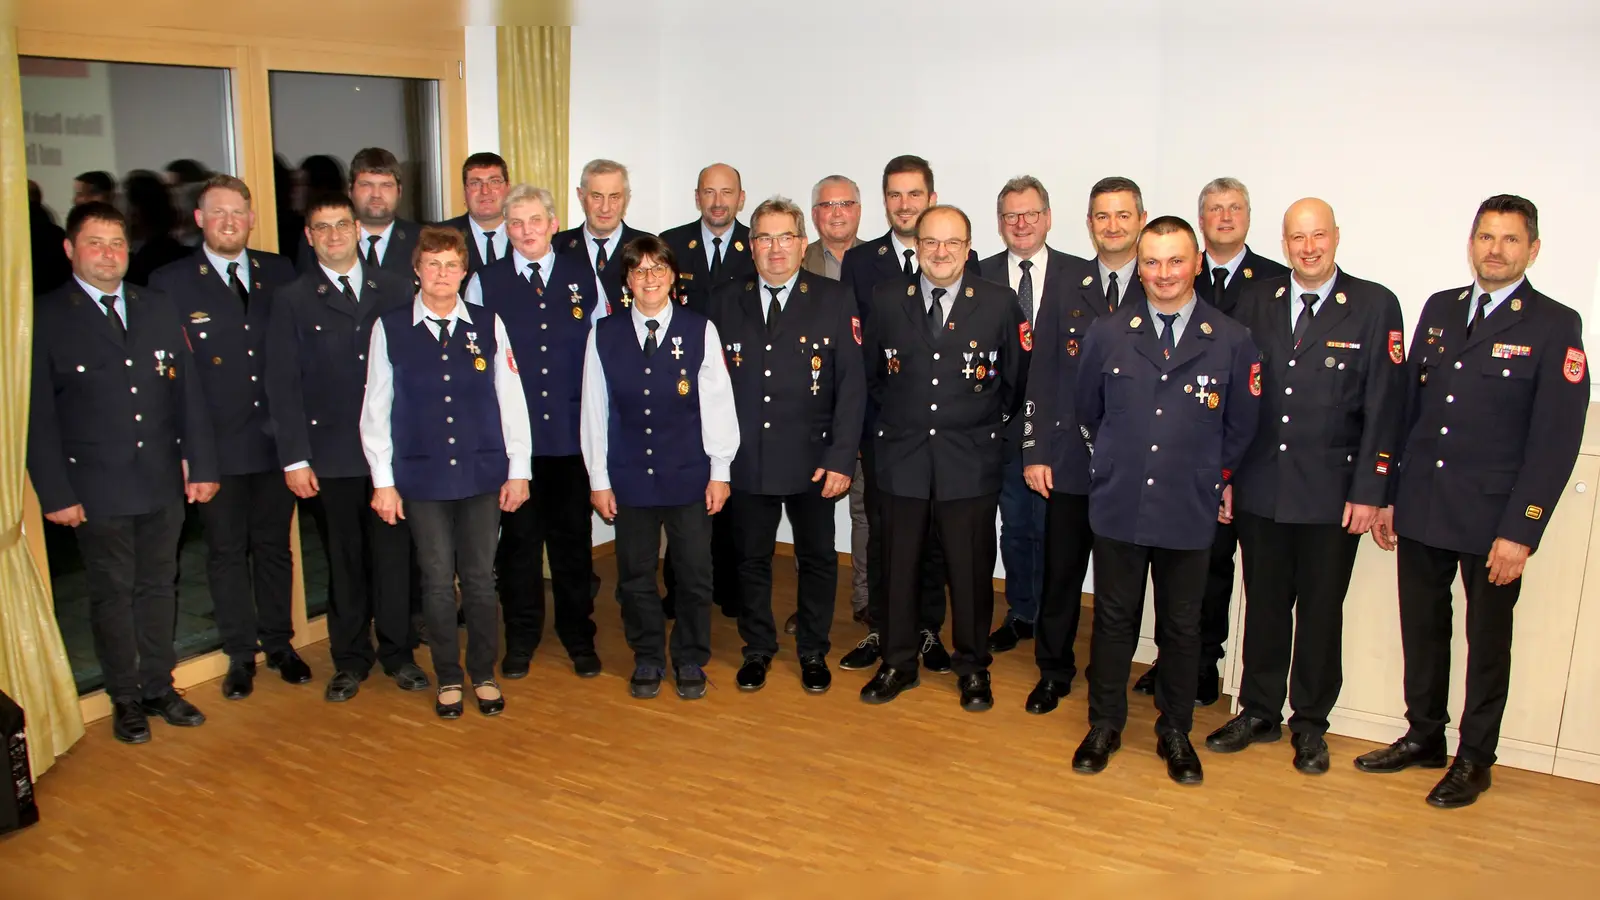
point(1313, 480)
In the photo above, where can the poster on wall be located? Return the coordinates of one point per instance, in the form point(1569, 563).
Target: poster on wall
point(67, 124)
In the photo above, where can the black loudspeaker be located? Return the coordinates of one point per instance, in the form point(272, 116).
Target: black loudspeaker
point(17, 807)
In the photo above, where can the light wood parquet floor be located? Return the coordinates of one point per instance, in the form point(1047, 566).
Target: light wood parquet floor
point(577, 775)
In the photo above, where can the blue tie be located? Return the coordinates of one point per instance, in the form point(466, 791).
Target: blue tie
point(1169, 341)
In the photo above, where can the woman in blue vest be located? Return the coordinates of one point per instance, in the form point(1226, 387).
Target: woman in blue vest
point(446, 434)
point(659, 434)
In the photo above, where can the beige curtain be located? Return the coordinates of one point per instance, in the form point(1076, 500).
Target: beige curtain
point(33, 663)
point(535, 63)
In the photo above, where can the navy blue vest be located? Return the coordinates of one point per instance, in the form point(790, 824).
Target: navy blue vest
point(446, 416)
point(655, 453)
point(549, 330)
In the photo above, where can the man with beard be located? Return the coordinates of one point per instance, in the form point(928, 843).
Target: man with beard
point(383, 241)
point(485, 182)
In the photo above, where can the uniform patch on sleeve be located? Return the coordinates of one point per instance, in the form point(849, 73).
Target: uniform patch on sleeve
point(1574, 366)
point(1397, 347)
point(1255, 379)
point(511, 361)
point(1025, 334)
point(855, 328)
point(1535, 513)
point(1383, 463)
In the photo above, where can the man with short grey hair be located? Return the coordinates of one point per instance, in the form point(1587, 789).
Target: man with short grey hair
point(836, 213)
point(603, 195)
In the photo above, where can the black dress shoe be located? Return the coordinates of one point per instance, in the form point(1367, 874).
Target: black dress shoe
point(753, 674)
point(129, 724)
point(1183, 764)
point(1095, 752)
point(1310, 754)
point(975, 693)
point(814, 674)
point(935, 658)
point(516, 663)
point(289, 666)
point(1007, 636)
point(1209, 689)
point(646, 682)
point(691, 682)
point(174, 710)
point(343, 686)
point(1402, 755)
point(1461, 785)
point(888, 684)
point(240, 680)
point(1146, 683)
point(791, 624)
point(1046, 696)
point(586, 665)
point(489, 706)
point(451, 710)
point(865, 655)
point(410, 677)
point(1242, 731)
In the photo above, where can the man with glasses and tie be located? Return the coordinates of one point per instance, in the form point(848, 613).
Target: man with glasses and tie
point(548, 303)
point(1498, 384)
point(118, 437)
point(224, 293)
point(948, 367)
point(603, 195)
point(317, 341)
point(485, 180)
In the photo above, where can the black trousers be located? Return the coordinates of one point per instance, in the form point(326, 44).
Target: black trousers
point(555, 520)
point(455, 538)
point(966, 529)
point(755, 521)
point(1068, 543)
point(1425, 575)
point(1296, 577)
point(689, 548)
point(1120, 570)
point(130, 564)
point(369, 579)
point(248, 564)
point(725, 590)
point(933, 574)
point(1218, 593)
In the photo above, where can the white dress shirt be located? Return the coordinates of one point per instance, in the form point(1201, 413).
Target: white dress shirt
point(479, 234)
point(1041, 261)
point(899, 248)
point(120, 305)
point(784, 290)
point(1124, 276)
point(613, 244)
point(719, 424)
point(708, 237)
point(1231, 265)
point(383, 241)
point(945, 302)
point(1184, 315)
point(377, 438)
point(356, 280)
point(219, 265)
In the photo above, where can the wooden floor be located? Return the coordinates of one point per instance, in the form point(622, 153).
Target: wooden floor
point(577, 774)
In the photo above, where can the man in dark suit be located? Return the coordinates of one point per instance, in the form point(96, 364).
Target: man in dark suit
point(949, 366)
point(1498, 386)
point(224, 296)
point(1313, 480)
point(793, 345)
point(317, 341)
point(383, 240)
point(118, 438)
point(603, 195)
point(94, 187)
point(485, 181)
point(907, 192)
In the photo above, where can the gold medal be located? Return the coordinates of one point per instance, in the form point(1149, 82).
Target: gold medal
point(1188, 389)
point(1516, 304)
point(693, 243)
point(577, 313)
point(479, 364)
point(683, 387)
point(739, 246)
point(1212, 401)
point(816, 363)
point(894, 365)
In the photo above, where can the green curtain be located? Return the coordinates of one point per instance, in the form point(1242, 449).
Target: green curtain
point(535, 63)
point(33, 662)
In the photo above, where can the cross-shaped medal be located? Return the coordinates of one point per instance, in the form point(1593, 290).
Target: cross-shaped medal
point(161, 362)
point(472, 346)
point(737, 359)
point(677, 348)
point(968, 370)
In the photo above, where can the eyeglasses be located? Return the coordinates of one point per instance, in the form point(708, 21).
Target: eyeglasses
point(784, 240)
point(1031, 217)
point(343, 226)
point(478, 184)
point(438, 265)
point(929, 245)
point(837, 204)
point(646, 273)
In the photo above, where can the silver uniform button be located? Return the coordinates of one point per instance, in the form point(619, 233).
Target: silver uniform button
point(936, 356)
point(1158, 411)
point(768, 373)
point(766, 424)
point(452, 462)
point(930, 431)
point(547, 417)
point(447, 376)
point(1285, 420)
point(1149, 481)
point(1154, 448)
point(766, 399)
point(648, 431)
point(138, 418)
point(544, 393)
point(451, 440)
point(936, 382)
point(649, 452)
point(1163, 378)
point(649, 471)
point(1291, 363)
point(1282, 447)
point(1450, 398)
point(647, 392)
point(1444, 430)
point(1505, 373)
point(1439, 464)
point(933, 407)
point(449, 420)
point(1288, 390)
point(127, 362)
point(1458, 364)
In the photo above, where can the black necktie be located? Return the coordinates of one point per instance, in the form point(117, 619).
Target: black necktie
point(348, 291)
point(109, 301)
point(716, 259)
point(936, 313)
point(488, 248)
point(1025, 289)
point(237, 285)
point(650, 340)
point(534, 278)
point(1483, 304)
point(1219, 285)
point(773, 309)
point(1304, 322)
point(907, 268)
point(444, 331)
point(599, 254)
point(1169, 338)
point(1111, 291)
point(372, 249)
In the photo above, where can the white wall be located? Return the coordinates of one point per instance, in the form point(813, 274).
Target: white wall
point(483, 90)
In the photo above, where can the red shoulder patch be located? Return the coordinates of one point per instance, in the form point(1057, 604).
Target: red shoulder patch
point(1255, 379)
point(1025, 334)
point(1574, 366)
point(855, 328)
point(1397, 347)
point(511, 361)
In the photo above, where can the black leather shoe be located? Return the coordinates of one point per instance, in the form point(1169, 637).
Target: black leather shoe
point(174, 710)
point(1310, 754)
point(1461, 785)
point(492, 705)
point(691, 682)
point(1183, 764)
point(289, 666)
point(1046, 696)
point(888, 684)
point(1242, 731)
point(129, 724)
point(240, 680)
point(865, 655)
point(343, 686)
point(1146, 683)
point(586, 665)
point(1006, 637)
point(1402, 755)
point(753, 674)
point(451, 710)
point(1209, 689)
point(814, 674)
point(516, 663)
point(410, 677)
point(935, 658)
point(791, 624)
point(646, 682)
point(975, 693)
point(1095, 752)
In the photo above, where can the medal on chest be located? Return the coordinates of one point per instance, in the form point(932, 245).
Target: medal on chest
point(892, 358)
point(683, 382)
point(478, 362)
point(677, 353)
